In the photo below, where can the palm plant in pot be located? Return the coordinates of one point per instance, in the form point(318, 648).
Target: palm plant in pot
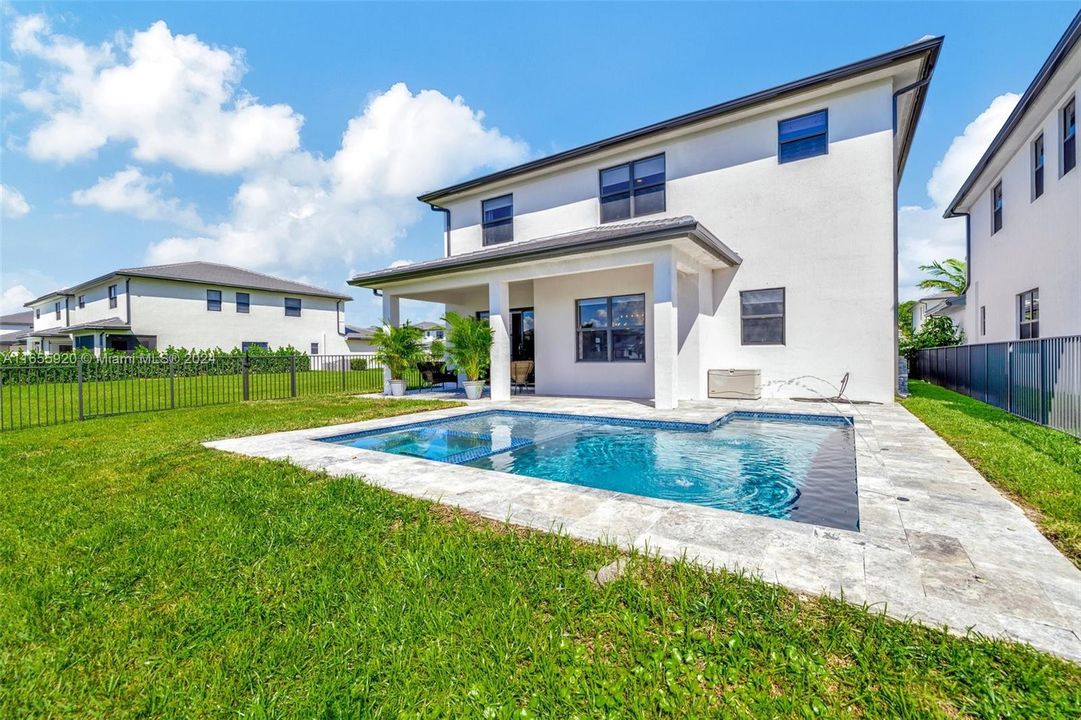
point(398, 349)
point(469, 350)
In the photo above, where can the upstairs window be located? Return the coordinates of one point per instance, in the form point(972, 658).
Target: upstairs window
point(37, 313)
point(243, 302)
point(56, 307)
point(983, 320)
point(1028, 314)
point(82, 301)
point(633, 189)
point(213, 300)
point(292, 307)
point(762, 317)
point(802, 137)
point(1037, 167)
point(314, 349)
point(112, 296)
point(996, 207)
point(1069, 137)
point(498, 219)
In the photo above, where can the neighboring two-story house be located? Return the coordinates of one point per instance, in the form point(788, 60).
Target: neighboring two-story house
point(195, 305)
point(756, 234)
point(13, 329)
point(1022, 204)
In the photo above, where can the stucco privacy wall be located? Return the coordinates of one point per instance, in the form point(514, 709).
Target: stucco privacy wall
point(176, 312)
point(1039, 245)
point(822, 228)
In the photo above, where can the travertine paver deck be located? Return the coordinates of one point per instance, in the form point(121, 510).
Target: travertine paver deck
point(936, 543)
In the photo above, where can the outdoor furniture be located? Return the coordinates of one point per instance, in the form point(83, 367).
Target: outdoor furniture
point(521, 371)
point(433, 373)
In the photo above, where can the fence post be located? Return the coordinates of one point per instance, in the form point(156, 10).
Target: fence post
point(1009, 377)
point(1041, 379)
point(79, 373)
point(244, 374)
point(293, 375)
point(345, 362)
point(172, 384)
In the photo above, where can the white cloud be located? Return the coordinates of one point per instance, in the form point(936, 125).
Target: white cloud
point(129, 191)
point(924, 235)
point(174, 97)
point(13, 299)
point(401, 263)
point(12, 202)
point(309, 212)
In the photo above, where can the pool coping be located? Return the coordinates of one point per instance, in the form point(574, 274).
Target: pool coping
point(936, 544)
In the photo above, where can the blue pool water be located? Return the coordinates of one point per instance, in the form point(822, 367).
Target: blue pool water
point(795, 467)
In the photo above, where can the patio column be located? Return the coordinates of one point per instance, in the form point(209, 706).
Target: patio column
point(499, 317)
point(703, 327)
point(665, 332)
point(391, 313)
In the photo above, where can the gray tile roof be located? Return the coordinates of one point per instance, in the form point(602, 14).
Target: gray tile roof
point(595, 238)
point(209, 274)
point(112, 323)
point(26, 317)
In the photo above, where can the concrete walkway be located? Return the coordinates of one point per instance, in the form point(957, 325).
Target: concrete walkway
point(936, 543)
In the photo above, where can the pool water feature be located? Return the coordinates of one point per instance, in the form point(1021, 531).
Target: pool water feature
point(795, 467)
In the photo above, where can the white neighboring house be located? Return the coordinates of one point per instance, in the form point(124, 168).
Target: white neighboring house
point(733, 237)
point(945, 304)
point(194, 305)
point(13, 330)
point(1022, 204)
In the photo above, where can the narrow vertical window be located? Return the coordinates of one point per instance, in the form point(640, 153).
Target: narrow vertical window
point(983, 320)
point(1037, 167)
point(802, 137)
point(213, 300)
point(56, 307)
point(996, 208)
point(292, 307)
point(82, 301)
point(112, 296)
point(243, 302)
point(498, 219)
point(633, 189)
point(1069, 137)
point(1028, 314)
point(314, 349)
point(762, 317)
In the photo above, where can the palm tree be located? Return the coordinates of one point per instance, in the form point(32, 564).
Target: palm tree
point(948, 275)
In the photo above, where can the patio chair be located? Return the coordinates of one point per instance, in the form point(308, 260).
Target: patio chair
point(520, 372)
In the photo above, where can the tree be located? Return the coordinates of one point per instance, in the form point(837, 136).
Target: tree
point(398, 348)
point(904, 318)
point(469, 345)
point(948, 275)
point(937, 331)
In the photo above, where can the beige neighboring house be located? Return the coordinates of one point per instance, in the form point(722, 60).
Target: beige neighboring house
point(194, 305)
point(13, 329)
point(945, 304)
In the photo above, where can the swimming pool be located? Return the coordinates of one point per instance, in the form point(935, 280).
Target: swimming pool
point(795, 467)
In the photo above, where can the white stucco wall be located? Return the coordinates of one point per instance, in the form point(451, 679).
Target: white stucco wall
point(822, 228)
point(1039, 245)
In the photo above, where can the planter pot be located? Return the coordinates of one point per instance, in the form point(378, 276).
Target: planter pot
point(473, 389)
point(397, 387)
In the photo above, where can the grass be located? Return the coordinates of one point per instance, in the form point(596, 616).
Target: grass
point(1038, 467)
point(144, 575)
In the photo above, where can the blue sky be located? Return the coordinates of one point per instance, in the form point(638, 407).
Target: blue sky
point(125, 153)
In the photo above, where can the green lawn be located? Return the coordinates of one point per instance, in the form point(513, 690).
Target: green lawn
point(143, 575)
point(1037, 466)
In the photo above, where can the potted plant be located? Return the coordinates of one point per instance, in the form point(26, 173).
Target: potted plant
point(469, 350)
point(398, 349)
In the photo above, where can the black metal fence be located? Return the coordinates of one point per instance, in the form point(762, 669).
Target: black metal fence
point(1039, 380)
point(39, 392)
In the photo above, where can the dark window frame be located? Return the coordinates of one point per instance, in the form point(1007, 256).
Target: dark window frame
point(1068, 133)
point(825, 133)
point(248, 344)
point(1032, 324)
point(997, 205)
point(82, 301)
point(313, 349)
point(783, 315)
point(37, 313)
point(1039, 163)
point(56, 309)
point(293, 312)
point(608, 329)
point(983, 320)
point(112, 296)
point(245, 306)
point(213, 304)
point(492, 226)
point(633, 190)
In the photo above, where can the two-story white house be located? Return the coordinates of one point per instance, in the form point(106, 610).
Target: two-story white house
point(194, 305)
point(1022, 204)
point(755, 234)
point(13, 328)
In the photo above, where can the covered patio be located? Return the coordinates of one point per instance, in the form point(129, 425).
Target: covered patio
point(618, 311)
